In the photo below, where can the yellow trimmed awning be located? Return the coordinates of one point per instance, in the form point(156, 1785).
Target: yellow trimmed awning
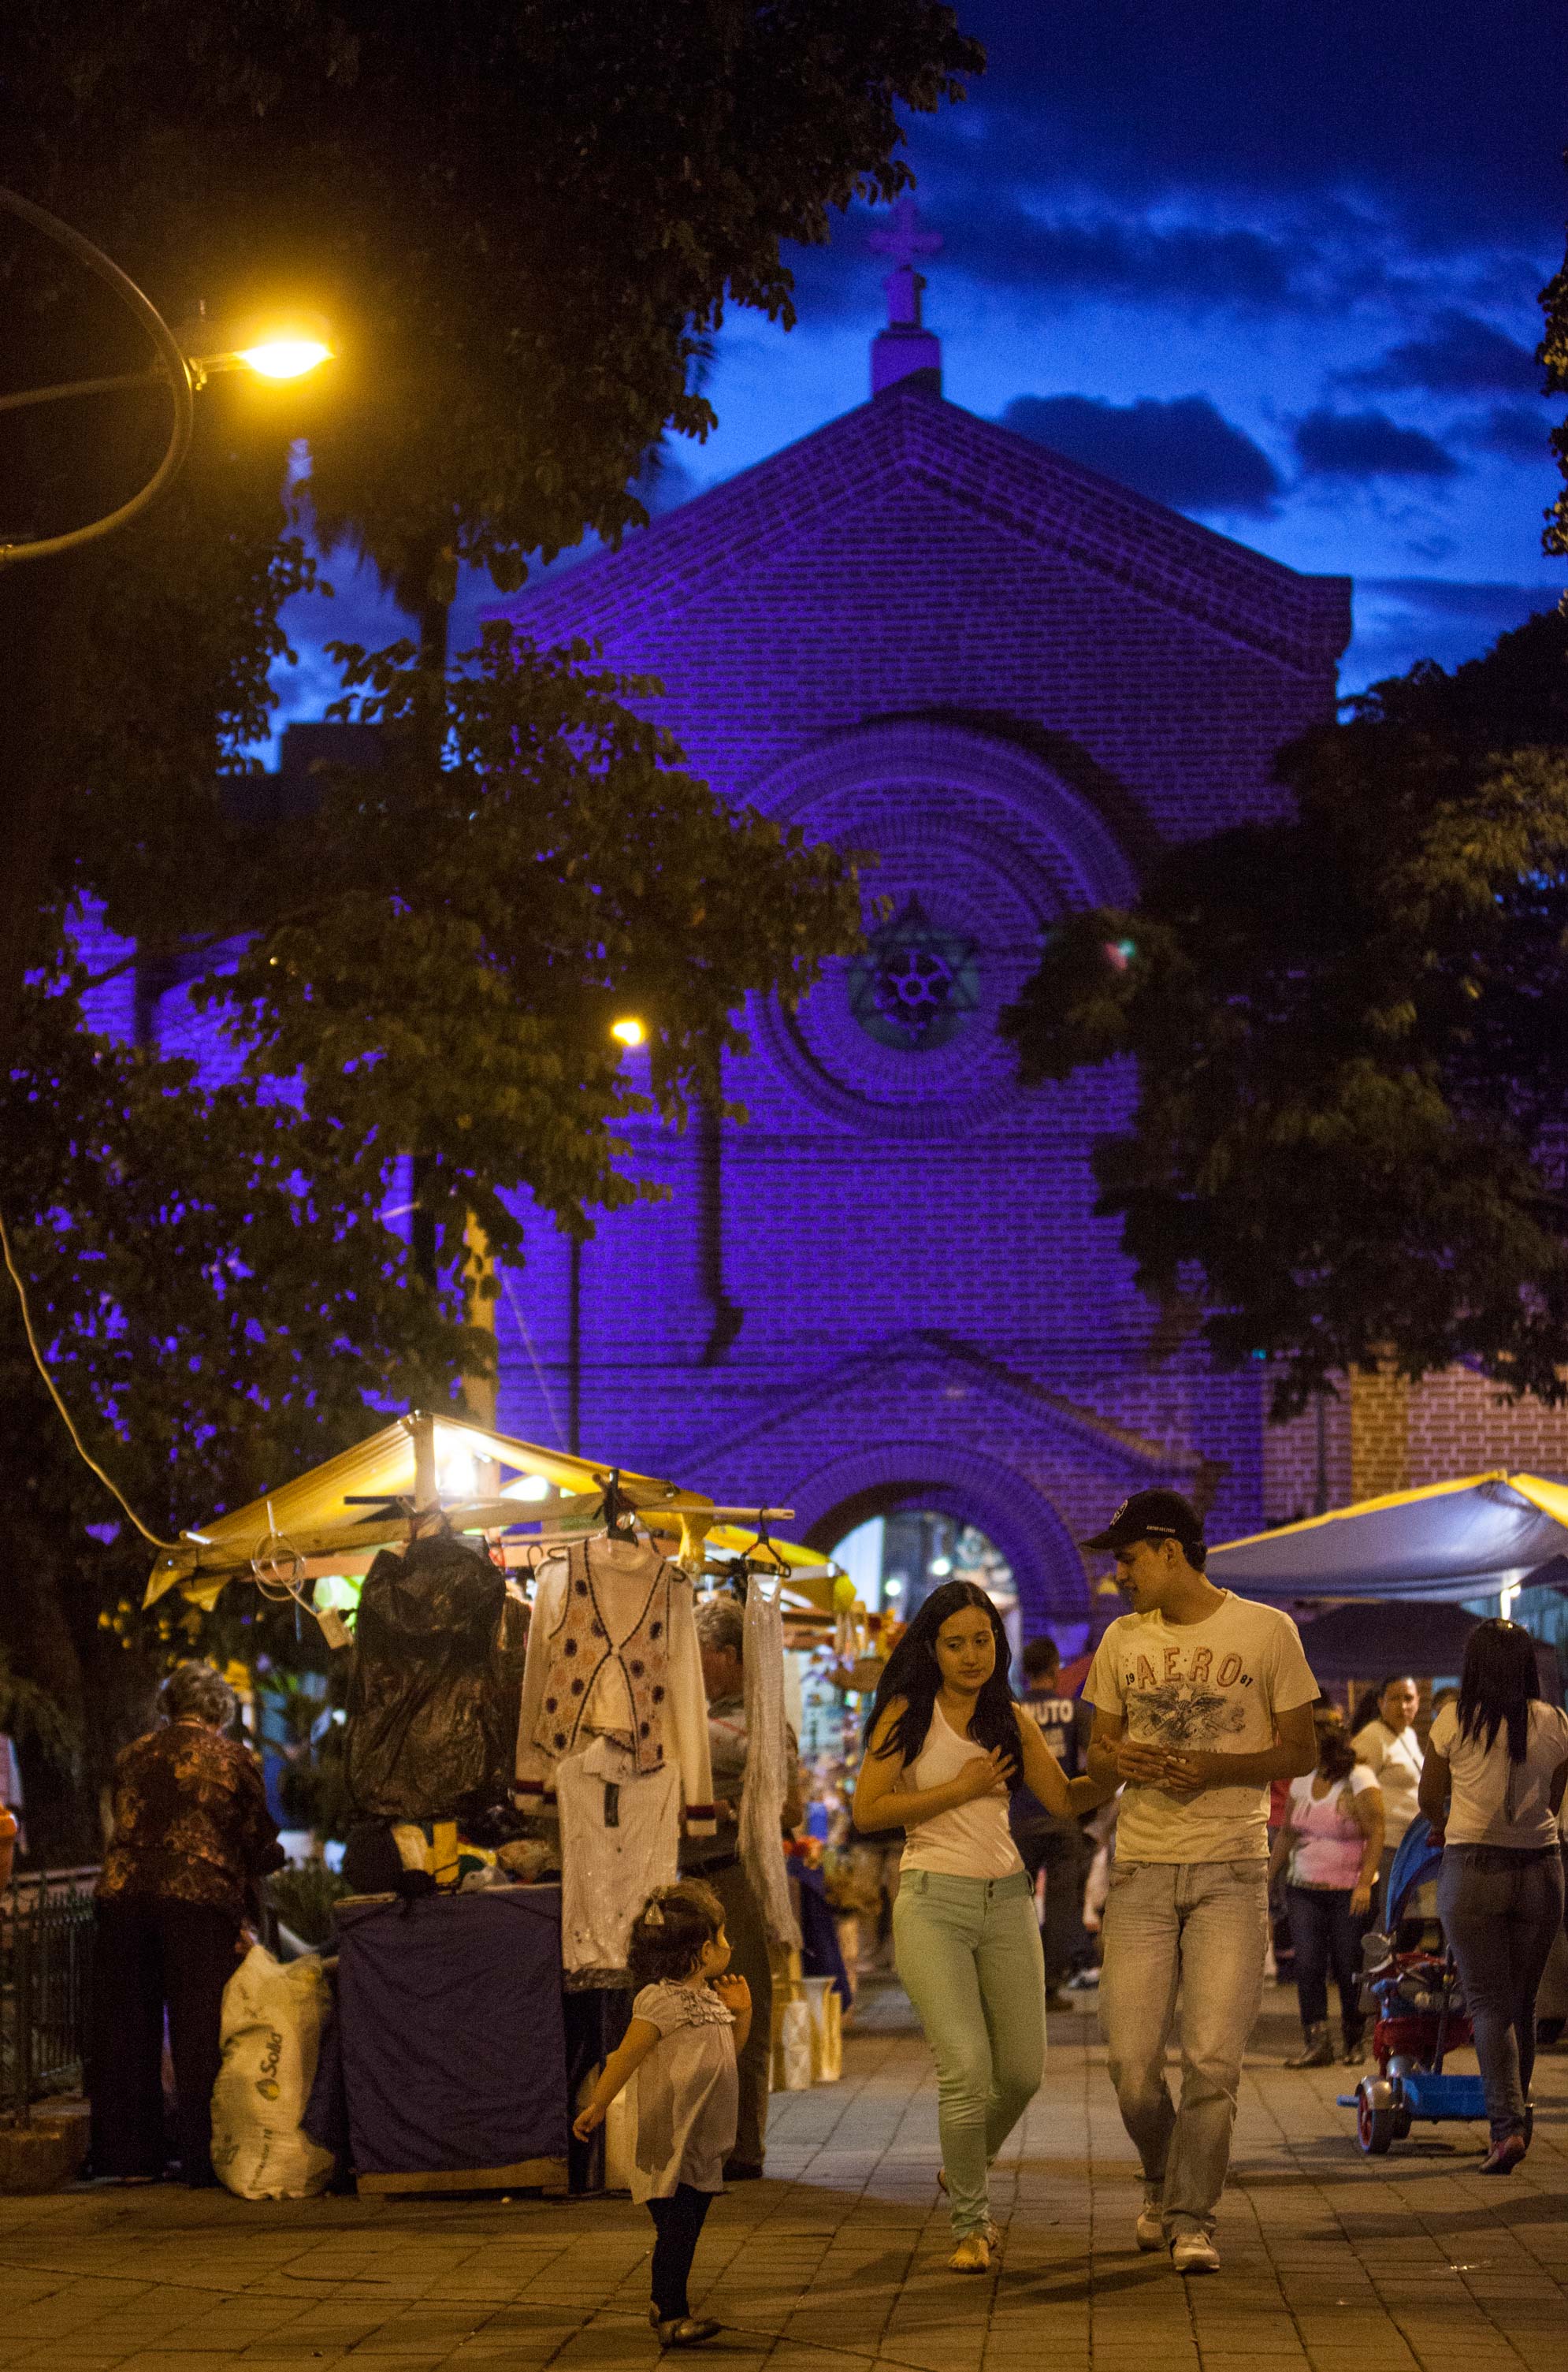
point(335, 1518)
point(1467, 1538)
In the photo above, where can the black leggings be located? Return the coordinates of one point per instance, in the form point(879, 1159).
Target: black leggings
point(677, 2221)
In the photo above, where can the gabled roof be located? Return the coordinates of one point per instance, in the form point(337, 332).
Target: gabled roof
point(908, 435)
point(940, 1351)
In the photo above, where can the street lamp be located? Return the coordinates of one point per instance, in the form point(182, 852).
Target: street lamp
point(629, 1032)
point(279, 351)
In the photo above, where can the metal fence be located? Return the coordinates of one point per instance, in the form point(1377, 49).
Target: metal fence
point(46, 1934)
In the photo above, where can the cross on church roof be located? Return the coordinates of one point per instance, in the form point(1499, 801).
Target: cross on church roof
point(906, 348)
point(905, 239)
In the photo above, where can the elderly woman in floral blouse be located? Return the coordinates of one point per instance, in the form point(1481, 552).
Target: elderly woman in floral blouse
point(191, 1836)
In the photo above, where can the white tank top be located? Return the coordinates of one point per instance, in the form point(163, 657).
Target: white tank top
point(971, 1841)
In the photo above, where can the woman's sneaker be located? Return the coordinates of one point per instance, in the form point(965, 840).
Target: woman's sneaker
point(1194, 2253)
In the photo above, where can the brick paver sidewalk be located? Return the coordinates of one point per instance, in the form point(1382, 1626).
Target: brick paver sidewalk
point(836, 2263)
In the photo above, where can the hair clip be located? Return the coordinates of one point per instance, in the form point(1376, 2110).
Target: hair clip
point(652, 1914)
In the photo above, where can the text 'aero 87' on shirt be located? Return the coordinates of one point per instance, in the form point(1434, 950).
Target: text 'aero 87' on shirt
point(1213, 1687)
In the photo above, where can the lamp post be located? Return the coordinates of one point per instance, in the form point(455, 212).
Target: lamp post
point(184, 365)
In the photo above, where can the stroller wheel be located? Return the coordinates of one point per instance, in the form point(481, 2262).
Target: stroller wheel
point(1375, 2116)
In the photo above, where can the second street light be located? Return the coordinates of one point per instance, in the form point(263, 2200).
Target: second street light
point(273, 347)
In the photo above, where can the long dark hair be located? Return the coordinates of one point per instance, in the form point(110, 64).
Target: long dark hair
point(1336, 1755)
point(1499, 1684)
point(913, 1672)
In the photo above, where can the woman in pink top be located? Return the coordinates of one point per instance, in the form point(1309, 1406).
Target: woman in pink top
point(1329, 1848)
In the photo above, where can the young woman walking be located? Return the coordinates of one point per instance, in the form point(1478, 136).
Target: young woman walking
point(945, 1746)
point(1493, 1782)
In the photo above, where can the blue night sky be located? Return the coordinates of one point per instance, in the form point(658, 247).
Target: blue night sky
point(1275, 264)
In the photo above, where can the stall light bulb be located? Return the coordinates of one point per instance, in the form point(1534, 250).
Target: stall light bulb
point(629, 1032)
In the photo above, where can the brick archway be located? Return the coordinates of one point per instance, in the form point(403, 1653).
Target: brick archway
point(969, 1486)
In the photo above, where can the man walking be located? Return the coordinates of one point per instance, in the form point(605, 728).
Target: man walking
point(1201, 1700)
point(1057, 1846)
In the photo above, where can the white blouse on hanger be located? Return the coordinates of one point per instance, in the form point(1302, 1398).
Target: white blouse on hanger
point(612, 1652)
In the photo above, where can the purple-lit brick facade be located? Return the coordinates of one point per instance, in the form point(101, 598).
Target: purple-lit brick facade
point(916, 632)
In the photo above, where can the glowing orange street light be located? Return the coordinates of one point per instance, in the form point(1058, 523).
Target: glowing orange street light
point(277, 350)
point(630, 1031)
point(284, 347)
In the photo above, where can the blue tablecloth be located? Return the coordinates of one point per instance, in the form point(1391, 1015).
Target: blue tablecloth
point(452, 2030)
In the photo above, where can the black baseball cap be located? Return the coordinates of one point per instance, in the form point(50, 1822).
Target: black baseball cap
point(1152, 1516)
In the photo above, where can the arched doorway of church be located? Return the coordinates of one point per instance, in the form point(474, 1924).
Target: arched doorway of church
point(897, 1559)
point(902, 1531)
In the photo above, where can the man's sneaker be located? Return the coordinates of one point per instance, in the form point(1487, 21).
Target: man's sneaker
point(1150, 2226)
point(1194, 2253)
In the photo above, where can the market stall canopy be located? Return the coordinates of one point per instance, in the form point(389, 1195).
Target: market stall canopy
point(334, 1519)
point(1465, 1538)
point(1425, 1638)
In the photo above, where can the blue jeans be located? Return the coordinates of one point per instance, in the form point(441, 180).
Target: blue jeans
point(1327, 1934)
point(1198, 1929)
point(1501, 1907)
point(968, 1954)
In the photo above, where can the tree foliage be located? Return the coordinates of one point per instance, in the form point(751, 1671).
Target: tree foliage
point(524, 221)
point(452, 943)
point(1348, 1027)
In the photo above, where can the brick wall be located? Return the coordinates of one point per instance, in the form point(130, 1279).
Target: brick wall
point(917, 634)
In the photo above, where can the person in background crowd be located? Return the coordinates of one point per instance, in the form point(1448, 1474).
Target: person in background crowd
point(1496, 1765)
point(11, 1789)
point(1329, 1847)
point(193, 1836)
point(721, 1634)
point(946, 1744)
point(1057, 1846)
point(1201, 1699)
point(1388, 1745)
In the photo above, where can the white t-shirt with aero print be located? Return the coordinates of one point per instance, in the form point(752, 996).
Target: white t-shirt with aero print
point(1200, 1687)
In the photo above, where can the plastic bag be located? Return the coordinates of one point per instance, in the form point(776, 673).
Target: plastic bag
point(426, 1735)
point(792, 2047)
point(273, 2018)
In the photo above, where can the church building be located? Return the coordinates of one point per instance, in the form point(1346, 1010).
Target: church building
point(885, 1297)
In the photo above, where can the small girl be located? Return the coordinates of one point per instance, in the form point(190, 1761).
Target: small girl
point(688, 2022)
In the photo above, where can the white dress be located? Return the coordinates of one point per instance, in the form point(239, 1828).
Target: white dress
point(688, 2094)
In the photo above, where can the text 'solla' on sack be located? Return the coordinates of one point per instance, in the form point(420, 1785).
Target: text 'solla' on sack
point(272, 2016)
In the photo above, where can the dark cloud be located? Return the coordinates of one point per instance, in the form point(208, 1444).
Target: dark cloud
point(993, 239)
point(1103, 255)
point(1458, 355)
point(1449, 118)
point(1518, 431)
point(1367, 445)
point(1402, 619)
point(1184, 452)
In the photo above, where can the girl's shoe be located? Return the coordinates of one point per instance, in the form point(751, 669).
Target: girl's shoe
point(1503, 2155)
point(973, 2255)
point(683, 2329)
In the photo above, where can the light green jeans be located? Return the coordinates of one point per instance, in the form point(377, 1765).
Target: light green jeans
point(967, 1953)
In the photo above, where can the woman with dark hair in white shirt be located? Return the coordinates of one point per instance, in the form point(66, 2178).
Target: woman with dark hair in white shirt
point(1496, 1765)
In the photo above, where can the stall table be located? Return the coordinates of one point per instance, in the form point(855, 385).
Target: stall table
point(452, 2033)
